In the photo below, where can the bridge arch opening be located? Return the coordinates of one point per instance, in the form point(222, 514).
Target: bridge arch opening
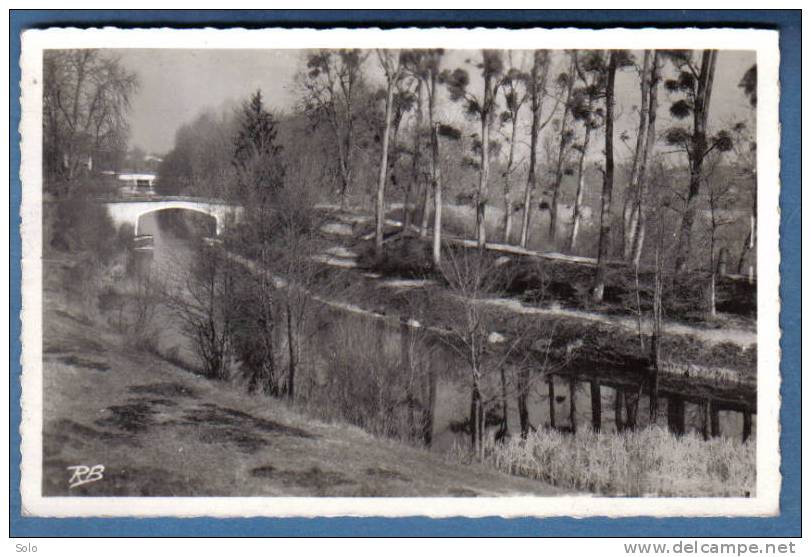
point(181, 222)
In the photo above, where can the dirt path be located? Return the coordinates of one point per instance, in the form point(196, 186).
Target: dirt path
point(161, 431)
point(711, 336)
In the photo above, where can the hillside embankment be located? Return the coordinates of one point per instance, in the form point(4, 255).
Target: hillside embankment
point(160, 430)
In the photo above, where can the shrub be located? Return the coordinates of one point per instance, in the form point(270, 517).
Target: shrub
point(360, 378)
point(81, 227)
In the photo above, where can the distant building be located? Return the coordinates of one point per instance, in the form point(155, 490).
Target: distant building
point(140, 183)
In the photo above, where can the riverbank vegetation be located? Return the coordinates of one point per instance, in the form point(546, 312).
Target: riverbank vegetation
point(649, 461)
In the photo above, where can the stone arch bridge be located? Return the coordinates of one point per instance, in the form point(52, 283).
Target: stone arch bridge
point(130, 211)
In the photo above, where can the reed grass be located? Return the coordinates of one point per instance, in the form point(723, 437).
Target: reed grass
point(647, 462)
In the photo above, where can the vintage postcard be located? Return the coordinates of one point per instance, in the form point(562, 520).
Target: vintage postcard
point(440, 272)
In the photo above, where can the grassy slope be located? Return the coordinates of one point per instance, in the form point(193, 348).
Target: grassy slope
point(160, 430)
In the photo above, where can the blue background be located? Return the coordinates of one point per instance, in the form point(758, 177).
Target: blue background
point(788, 22)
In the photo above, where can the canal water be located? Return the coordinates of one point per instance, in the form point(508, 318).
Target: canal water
point(170, 259)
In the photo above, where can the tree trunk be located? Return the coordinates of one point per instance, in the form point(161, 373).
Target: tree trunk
point(476, 418)
point(619, 403)
point(581, 177)
point(596, 406)
point(426, 213)
point(697, 153)
point(632, 407)
point(639, 222)
point(608, 183)
point(484, 173)
point(345, 178)
point(633, 193)
point(747, 424)
point(553, 209)
point(749, 243)
point(380, 209)
point(504, 431)
point(705, 419)
point(537, 91)
point(415, 161)
point(406, 218)
point(523, 395)
point(508, 203)
point(531, 181)
point(656, 336)
point(436, 176)
point(437, 239)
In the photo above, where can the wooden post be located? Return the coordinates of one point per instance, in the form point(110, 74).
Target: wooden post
point(675, 414)
point(596, 405)
point(715, 420)
point(619, 402)
point(747, 424)
point(551, 383)
point(573, 402)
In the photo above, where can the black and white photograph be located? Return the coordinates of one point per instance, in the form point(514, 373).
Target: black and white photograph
point(438, 272)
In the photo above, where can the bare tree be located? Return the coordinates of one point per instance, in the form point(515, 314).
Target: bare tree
point(747, 155)
point(404, 101)
point(537, 92)
point(656, 325)
point(492, 69)
point(719, 199)
point(417, 182)
point(472, 277)
point(392, 70)
point(202, 159)
point(86, 100)
point(514, 90)
point(591, 71)
point(617, 59)
point(565, 81)
point(424, 65)
point(608, 180)
point(296, 234)
point(634, 220)
point(205, 304)
point(694, 83)
point(331, 88)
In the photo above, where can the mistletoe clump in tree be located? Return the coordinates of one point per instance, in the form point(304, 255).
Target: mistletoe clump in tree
point(515, 91)
point(332, 88)
point(585, 108)
point(485, 107)
point(693, 90)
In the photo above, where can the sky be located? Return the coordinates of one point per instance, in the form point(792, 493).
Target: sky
point(176, 85)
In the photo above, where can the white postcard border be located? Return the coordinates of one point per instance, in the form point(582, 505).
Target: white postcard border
point(766, 501)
